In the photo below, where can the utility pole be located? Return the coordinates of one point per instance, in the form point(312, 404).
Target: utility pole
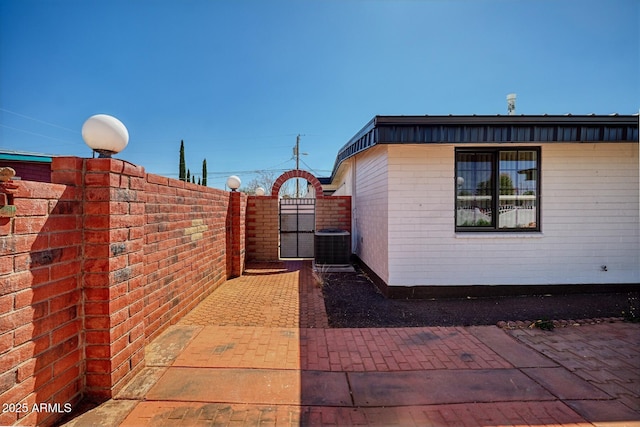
point(297, 154)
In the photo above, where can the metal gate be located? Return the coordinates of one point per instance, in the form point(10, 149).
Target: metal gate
point(297, 226)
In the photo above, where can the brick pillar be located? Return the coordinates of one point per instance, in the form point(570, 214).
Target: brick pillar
point(113, 274)
point(236, 243)
point(262, 232)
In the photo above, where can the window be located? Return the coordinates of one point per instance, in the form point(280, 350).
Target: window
point(498, 189)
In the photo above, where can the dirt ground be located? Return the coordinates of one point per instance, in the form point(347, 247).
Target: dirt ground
point(353, 301)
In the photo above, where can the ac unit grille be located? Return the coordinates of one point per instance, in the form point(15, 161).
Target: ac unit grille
point(332, 247)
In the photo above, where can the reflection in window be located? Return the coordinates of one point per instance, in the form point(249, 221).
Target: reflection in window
point(497, 189)
point(518, 189)
point(475, 190)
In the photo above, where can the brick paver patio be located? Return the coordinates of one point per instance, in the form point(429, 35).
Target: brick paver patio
point(258, 351)
point(269, 295)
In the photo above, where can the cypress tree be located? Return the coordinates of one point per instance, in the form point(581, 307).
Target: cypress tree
point(183, 166)
point(188, 175)
point(204, 172)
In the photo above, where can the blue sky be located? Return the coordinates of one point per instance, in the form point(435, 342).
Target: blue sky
point(238, 80)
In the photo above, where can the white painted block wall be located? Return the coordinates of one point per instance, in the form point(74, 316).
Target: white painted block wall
point(370, 202)
point(590, 218)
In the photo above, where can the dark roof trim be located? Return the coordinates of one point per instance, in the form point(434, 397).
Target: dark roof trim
point(502, 120)
point(489, 129)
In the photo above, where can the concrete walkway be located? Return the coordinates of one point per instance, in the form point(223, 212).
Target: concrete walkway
point(258, 352)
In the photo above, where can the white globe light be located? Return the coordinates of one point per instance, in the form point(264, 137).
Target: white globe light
point(259, 191)
point(233, 182)
point(105, 134)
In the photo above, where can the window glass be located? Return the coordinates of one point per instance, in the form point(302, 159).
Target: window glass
point(474, 190)
point(518, 189)
point(497, 189)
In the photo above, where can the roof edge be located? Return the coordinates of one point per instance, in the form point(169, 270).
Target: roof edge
point(547, 119)
point(369, 136)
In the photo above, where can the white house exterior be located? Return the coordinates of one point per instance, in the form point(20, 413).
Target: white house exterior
point(461, 205)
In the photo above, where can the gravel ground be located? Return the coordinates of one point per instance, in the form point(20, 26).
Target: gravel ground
point(353, 301)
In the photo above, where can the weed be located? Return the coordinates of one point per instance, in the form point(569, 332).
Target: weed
point(544, 324)
point(320, 274)
point(633, 315)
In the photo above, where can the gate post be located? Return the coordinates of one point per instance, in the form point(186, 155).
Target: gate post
point(262, 228)
point(113, 281)
point(236, 245)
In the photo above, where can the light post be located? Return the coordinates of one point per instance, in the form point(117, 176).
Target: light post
point(105, 135)
point(233, 182)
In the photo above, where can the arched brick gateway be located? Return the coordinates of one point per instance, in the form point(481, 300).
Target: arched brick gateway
point(297, 173)
point(263, 219)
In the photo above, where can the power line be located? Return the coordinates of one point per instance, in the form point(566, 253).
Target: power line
point(38, 134)
point(315, 172)
point(39, 121)
point(280, 164)
point(225, 173)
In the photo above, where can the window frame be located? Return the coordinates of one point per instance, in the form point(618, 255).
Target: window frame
point(495, 195)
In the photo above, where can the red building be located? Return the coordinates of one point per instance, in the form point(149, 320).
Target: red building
point(28, 166)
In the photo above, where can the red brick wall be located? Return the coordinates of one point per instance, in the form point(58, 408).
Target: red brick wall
point(236, 230)
point(185, 248)
point(262, 228)
point(41, 346)
point(113, 279)
point(96, 265)
point(333, 212)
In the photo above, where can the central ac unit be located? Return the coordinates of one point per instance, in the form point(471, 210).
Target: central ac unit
point(332, 247)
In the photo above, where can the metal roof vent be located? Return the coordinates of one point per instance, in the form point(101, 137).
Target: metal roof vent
point(511, 104)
